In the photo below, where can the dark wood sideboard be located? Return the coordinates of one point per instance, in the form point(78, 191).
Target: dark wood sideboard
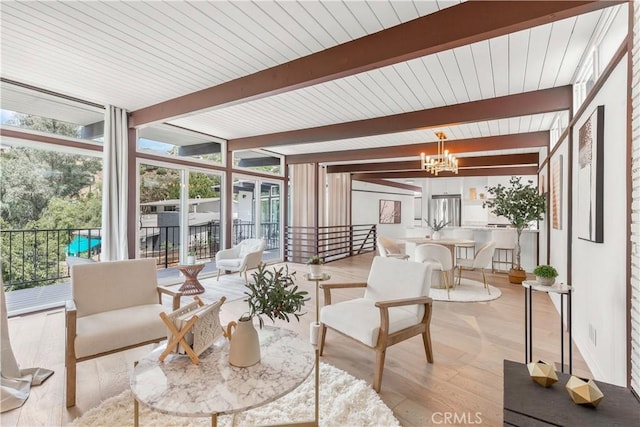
point(528, 404)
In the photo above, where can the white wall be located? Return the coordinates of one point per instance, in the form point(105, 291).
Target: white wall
point(599, 269)
point(365, 199)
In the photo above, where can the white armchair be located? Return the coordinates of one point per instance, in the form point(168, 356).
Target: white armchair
point(116, 306)
point(245, 255)
point(395, 307)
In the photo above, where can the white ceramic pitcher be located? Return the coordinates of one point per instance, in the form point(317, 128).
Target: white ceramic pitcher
point(244, 345)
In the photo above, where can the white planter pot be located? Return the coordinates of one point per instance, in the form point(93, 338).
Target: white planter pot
point(435, 235)
point(191, 259)
point(315, 270)
point(546, 281)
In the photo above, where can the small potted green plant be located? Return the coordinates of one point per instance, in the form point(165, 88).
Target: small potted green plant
point(315, 265)
point(545, 274)
point(270, 293)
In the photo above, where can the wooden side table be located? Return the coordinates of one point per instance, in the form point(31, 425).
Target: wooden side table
point(191, 285)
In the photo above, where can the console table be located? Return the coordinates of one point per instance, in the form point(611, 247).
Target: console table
point(214, 387)
point(560, 289)
point(528, 404)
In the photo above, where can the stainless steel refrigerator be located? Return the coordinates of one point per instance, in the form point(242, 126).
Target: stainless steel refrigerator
point(446, 207)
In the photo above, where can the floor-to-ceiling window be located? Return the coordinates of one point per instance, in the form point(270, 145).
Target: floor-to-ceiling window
point(271, 216)
point(50, 193)
point(159, 232)
point(257, 196)
point(180, 195)
point(245, 225)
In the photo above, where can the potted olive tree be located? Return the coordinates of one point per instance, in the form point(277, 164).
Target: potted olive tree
point(271, 293)
point(521, 204)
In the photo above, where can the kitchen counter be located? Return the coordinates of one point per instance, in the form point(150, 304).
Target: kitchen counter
point(482, 234)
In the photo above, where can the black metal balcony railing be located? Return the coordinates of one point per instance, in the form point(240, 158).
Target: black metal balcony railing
point(330, 243)
point(36, 257)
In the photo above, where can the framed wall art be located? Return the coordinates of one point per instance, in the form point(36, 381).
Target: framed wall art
point(389, 212)
point(591, 177)
point(556, 192)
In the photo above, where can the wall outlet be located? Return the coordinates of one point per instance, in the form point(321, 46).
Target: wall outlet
point(593, 334)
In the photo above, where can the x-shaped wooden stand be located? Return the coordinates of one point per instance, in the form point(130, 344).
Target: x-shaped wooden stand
point(177, 336)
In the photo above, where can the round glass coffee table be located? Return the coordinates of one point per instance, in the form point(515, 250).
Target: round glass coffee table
point(214, 387)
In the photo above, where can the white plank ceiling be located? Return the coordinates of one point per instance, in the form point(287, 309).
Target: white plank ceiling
point(136, 54)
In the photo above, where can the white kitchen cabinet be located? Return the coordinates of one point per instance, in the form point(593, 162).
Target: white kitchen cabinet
point(446, 186)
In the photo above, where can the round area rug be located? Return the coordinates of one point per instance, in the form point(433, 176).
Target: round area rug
point(468, 291)
point(344, 400)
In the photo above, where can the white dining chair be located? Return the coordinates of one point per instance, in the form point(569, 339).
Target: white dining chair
point(439, 257)
point(466, 248)
point(481, 260)
point(388, 248)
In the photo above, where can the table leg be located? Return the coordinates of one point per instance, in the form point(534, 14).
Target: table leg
point(214, 420)
point(316, 420)
point(526, 327)
point(570, 339)
point(562, 333)
point(530, 324)
point(135, 412)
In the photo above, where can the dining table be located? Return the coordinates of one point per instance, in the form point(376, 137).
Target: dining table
point(411, 243)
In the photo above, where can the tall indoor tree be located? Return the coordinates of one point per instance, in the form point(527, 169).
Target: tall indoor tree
point(521, 204)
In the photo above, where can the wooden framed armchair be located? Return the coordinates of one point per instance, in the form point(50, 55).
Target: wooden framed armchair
point(395, 307)
point(116, 306)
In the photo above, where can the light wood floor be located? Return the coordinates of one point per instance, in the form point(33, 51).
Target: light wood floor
point(470, 341)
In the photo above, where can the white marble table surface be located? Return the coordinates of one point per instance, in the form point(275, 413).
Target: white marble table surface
point(557, 288)
point(178, 387)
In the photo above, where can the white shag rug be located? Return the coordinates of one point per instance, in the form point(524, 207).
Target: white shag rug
point(468, 291)
point(344, 401)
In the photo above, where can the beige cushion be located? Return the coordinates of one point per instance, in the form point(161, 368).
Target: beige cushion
point(106, 286)
point(229, 263)
point(115, 329)
point(391, 279)
point(250, 245)
point(360, 319)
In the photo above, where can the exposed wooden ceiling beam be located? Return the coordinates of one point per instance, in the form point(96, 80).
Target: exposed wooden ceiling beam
point(500, 142)
point(384, 182)
point(463, 162)
point(500, 171)
point(521, 104)
point(459, 25)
